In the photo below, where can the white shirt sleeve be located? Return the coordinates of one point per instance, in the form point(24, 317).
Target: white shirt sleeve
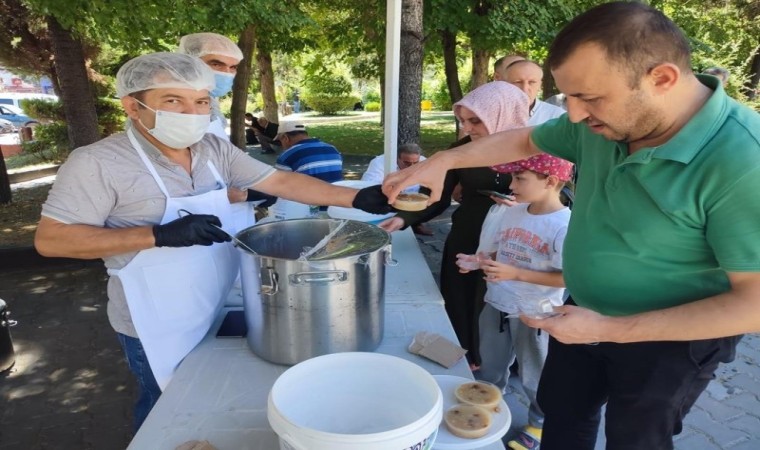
point(375, 171)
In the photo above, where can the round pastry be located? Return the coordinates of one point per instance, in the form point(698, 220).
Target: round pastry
point(411, 202)
point(479, 393)
point(467, 421)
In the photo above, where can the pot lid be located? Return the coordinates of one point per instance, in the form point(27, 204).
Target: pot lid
point(314, 239)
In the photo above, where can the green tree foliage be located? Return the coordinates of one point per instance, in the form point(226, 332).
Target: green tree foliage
point(328, 93)
point(354, 32)
point(723, 33)
point(24, 42)
point(51, 140)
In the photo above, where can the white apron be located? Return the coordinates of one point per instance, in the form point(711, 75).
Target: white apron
point(243, 212)
point(174, 294)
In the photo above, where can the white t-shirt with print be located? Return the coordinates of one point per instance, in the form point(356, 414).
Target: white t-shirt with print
point(532, 242)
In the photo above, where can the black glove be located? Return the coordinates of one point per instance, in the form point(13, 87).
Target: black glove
point(256, 195)
point(193, 229)
point(372, 200)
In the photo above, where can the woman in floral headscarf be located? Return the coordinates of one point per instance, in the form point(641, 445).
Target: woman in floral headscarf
point(490, 108)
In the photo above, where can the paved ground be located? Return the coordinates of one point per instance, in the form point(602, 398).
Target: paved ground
point(70, 388)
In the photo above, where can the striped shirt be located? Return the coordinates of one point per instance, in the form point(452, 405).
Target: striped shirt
point(313, 157)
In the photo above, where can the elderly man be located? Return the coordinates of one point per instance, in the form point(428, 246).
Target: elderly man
point(528, 76)
point(501, 64)
point(152, 203)
point(307, 155)
point(406, 156)
point(662, 254)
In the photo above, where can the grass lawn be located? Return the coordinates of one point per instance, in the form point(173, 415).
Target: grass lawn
point(23, 160)
point(366, 137)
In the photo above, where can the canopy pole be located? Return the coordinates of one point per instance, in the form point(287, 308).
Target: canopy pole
point(392, 58)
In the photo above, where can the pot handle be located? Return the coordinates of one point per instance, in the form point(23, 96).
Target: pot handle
point(389, 261)
point(273, 286)
point(325, 276)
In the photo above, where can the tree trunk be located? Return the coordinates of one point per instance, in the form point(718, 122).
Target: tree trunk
point(449, 42)
point(480, 64)
point(753, 83)
point(76, 95)
point(266, 79)
point(410, 72)
point(382, 100)
point(240, 86)
point(547, 85)
point(53, 74)
point(5, 183)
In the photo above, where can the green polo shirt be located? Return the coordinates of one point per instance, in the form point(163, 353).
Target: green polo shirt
point(663, 226)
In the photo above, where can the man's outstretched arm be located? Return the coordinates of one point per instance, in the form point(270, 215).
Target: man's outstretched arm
point(498, 148)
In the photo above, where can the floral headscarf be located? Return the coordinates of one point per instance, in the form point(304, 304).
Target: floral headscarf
point(498, 104)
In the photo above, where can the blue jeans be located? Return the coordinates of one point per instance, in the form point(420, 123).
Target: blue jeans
point(139, 366)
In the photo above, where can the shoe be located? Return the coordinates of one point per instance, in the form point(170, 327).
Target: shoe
point(267, 152)
point(422, 229)
point(528, 439)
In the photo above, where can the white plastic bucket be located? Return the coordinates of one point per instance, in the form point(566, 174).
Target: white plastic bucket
point(350, 401)
point(288, 209)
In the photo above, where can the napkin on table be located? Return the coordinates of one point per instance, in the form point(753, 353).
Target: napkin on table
point(436, 348)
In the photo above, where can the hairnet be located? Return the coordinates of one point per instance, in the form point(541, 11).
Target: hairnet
point(163, 70)
point(201, 44)
point(498, 104)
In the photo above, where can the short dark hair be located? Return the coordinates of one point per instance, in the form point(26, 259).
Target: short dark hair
point(635, 36)
point(140, 95)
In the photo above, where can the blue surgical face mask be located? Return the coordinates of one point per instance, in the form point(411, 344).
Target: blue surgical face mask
point(223, 83)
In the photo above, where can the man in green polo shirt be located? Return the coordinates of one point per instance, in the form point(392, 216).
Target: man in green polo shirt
point(662, 255)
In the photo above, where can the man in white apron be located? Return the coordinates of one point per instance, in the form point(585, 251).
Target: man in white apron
point(150, 202)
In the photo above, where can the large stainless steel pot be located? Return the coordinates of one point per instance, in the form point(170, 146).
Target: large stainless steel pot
point(296, 309)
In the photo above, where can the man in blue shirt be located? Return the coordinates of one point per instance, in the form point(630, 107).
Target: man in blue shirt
point(307, 155)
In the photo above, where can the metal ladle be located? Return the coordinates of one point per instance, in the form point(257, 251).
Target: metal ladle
point(183, 212)
point(236, 241)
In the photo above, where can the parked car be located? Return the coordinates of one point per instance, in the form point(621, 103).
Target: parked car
point(14, 98)
point(15, 115)
point(6, 126)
